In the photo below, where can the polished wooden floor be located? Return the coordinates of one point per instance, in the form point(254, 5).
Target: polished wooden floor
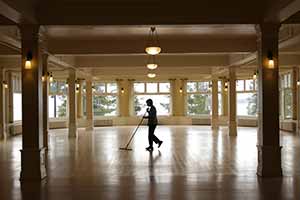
point(192, 163)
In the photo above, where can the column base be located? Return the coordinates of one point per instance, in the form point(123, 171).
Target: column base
point(72, 131)
point(232, 128)
point(90, 125)
point(214, 124)
point(33, 164)
point(269, 161)
point(89, 128)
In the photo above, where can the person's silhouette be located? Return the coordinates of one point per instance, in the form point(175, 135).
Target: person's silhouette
point(152, 123)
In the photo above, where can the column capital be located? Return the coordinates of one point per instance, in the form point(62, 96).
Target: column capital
point(267, 29)
point(29, 31)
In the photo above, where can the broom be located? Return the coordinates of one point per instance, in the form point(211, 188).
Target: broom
point(138, 126)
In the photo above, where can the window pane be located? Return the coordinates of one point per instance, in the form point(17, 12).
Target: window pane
point(151, 87)
point(191, 87)
point(199, 104)
point(61, 87)
point(220, 110)
point(105, 105)
point(17, 106)
point(219, 86)
point(240, 85)
point(164, 87)
point(112, 88)
point(51, 106)
point(100, 87)
point(203, 86)
point(61, 105)
point(249, 85)
point(161, 102)
point(53, 87)
point(288, 105)
point(246, 104)
point(139, 87)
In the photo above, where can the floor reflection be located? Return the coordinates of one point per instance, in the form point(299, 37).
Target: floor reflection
point(194, 162)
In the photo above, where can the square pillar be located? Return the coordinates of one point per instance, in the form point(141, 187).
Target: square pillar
point(295, 92)
point(32, 153)
point(124, 87)
point(224, 99)
point(178, 88)
point(2, 106)
point(89, 105)
point(72, 104)
point(9, 114)
point(232, 103)
point(45, 99)
point(79, 99)
point(269, 150)
point(215, 102)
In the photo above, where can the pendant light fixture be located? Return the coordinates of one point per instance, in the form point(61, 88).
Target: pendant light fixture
point(153, 47)
point(151, 63)
point(151, 75)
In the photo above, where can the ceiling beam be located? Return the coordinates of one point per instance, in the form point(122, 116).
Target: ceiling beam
point(136, 46)
point(18, 13)
point(138, 12)
point(289, 10)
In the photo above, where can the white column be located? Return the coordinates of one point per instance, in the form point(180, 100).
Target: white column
point(224, 99)
point(232, 103)
point(79, 100)
point(72, 104)
point(89, 105)
point(124, 97)
point(215, 113)
point(178, 88)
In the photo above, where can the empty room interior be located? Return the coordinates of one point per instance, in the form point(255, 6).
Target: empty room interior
point(129, 99)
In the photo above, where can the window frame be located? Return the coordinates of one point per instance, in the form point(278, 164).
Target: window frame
point(156, 93)
point(209, 92)
point(105, 93)
point(245, 91)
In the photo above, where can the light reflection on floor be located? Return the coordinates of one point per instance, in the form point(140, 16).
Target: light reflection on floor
point(194, 162)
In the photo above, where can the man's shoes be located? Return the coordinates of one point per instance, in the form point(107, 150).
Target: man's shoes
point(149, 148)
point(159, 143)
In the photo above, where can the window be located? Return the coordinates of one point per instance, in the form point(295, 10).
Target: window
point(286, 96)
point(198, 98)
point(220, 100)
point(57, 101)
point(158, 92)
point(105, 99)
point(246, 97)
point(17, 97)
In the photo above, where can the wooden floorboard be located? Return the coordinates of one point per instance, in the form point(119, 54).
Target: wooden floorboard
point(193, 163)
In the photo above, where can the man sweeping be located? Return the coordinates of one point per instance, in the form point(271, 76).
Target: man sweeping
point(152, 123)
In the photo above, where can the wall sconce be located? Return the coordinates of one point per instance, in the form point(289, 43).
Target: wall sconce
point(298, 82)
point(28, 60)
point(255, 75)
point(77, 90)
point(122, 90)
point(270, 59)
point(51, 77)
point(180, 90)
point(5, 85)
point(226, 86)
point(93, 89)
point(77, 85)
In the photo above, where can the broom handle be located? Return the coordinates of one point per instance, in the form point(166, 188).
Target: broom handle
point(135, 130)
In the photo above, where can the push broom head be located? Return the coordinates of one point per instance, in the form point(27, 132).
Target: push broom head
point(125, 149)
